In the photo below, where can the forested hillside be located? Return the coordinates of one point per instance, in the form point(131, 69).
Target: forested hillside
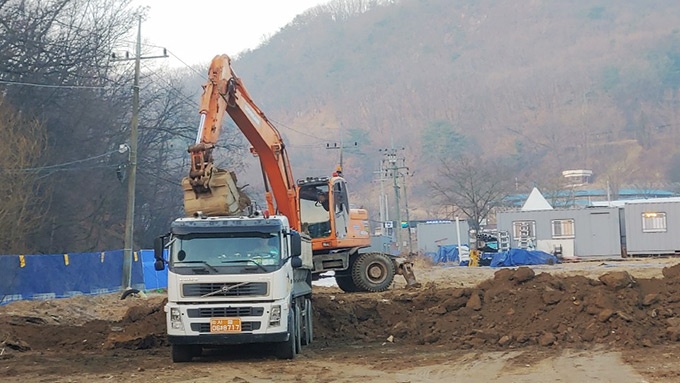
point(512, 92)
point(543, 85)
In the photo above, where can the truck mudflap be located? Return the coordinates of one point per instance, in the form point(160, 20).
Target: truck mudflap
point(228, 339)
point(404, 267)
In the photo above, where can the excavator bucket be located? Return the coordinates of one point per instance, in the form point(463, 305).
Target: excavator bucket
point(405, 268)
point(222, 198)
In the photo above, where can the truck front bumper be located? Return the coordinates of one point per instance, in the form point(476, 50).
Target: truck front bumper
point(228, 339)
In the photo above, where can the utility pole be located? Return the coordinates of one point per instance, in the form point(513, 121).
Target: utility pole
point(339, 147)
point(392, 166)
point(408, 220)
point(132, 174)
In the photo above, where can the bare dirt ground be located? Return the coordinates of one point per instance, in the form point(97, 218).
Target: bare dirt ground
point(604, 321)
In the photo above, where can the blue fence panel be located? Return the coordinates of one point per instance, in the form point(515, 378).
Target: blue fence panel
point(153, 279)
point(9, 275)
point(48, 276)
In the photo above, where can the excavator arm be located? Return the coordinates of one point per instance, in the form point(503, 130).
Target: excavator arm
point(267, 145)
point(209, 190)
point(224, 92)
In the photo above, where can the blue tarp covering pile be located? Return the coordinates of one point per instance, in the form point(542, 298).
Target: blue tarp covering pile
point(512, 257)
point(520, 257)
point(445, 254)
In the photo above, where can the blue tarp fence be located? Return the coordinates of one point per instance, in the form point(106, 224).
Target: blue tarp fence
point(153, 279)
point(47, 276)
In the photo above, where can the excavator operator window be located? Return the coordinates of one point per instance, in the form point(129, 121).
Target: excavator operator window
point(314, 210)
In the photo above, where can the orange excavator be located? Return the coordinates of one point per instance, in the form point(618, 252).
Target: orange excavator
point(316, 206)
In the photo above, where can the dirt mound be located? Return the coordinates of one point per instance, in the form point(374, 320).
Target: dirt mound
point(515, 308)
point(142, 326)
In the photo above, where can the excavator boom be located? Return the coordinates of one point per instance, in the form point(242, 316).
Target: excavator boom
point(209, 190)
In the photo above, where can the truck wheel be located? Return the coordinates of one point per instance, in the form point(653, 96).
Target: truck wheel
point(286, 350)
point(373, 272)
point(182, 353)
point(307, 322)
point(309, 334)
point(298, 329)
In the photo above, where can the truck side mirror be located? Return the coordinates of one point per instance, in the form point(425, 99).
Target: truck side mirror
point(295, 244)
point(158, 245)
point(296, 262)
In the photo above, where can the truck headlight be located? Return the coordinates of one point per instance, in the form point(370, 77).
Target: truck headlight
point(175, 315)
point(275, 315)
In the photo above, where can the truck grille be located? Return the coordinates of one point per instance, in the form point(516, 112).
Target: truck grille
point(205, 327)
point(225, 312)
point(224, 289)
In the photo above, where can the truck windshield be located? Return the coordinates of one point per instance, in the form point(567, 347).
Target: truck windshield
point(257, 251)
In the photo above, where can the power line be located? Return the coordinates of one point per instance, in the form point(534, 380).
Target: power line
point(58, 166)
point(9, 82)
point(77, 168)
point(173, 55)
point(171, 88)
point(187, 65)
point(294, 130)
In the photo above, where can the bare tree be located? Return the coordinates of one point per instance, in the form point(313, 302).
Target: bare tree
point(475, 186)
point(23, 142)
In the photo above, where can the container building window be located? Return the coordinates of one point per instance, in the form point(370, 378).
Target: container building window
point(562, 228)
point(524, 229)
point(654, 222)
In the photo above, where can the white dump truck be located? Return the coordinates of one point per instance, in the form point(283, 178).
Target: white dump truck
point(236, 280)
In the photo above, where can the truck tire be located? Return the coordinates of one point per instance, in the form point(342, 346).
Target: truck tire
point(373, 272)
point(286, 350)
point(309, 327)
point(298, 329)
point(182, 353)
point(307, 332)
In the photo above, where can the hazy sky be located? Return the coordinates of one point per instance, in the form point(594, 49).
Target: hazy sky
point(197, 30)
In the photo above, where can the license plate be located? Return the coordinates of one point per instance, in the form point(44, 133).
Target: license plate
point(222, 325)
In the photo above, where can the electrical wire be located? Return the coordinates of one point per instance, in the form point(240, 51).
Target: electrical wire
point(169, 86)
point(59, 166)
point(278, 123)
point(8, 82)
point(187, 65)
point(77, 168)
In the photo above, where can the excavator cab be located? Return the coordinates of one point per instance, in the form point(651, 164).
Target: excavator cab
point(315, 207)
point(326, 217)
